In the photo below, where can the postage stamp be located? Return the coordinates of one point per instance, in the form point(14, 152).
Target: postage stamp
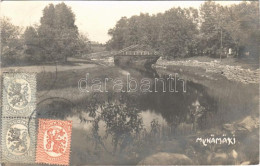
point(53, 142)
point(19, 94)
point(18, 140)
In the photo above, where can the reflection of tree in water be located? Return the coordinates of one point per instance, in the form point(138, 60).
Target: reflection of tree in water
point(120, 113)
point(142, 72)
point(178, 107)
point(122, 123)
point(55, 108)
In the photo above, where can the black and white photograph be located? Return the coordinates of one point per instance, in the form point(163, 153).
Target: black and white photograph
point(129, 82)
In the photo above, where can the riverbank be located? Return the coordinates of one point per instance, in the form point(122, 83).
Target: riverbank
point(229, 68)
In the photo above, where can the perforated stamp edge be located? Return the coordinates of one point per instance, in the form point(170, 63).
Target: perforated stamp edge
point(9, 111)
point(27, 157)
point(41, 156)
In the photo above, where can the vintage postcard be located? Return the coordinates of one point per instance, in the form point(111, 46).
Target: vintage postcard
point(130, 82)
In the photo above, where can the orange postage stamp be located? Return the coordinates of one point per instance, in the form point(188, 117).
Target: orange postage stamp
point(53, 143)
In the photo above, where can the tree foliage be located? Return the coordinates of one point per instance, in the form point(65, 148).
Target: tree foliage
point(177, 32)
point(10, 41)
point(58, 33)
point(55, 39)
point(169, 32)
point(238, 23)
point(31, 42)
point(244, 27)
point(184, 32)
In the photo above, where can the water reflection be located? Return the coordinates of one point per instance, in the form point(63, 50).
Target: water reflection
point(144, 72)
point(192, 106)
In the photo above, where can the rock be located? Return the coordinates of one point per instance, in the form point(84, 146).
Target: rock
point(229, 127)
point(236, 73)
point(173, 146)
point(163, 158)
point(219, 158)
point(245, 163)
point(247, 124)
point(234, 154)
point(248, 147)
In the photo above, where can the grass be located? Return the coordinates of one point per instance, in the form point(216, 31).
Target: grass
point(70, 78)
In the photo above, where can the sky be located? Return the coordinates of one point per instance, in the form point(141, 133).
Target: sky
point(93, 18)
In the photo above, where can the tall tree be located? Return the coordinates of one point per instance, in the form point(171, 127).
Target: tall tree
point(118, 34)
point(83, 44)
point(31, 39)
point(10, 41)
point(178, 30)
point(243, 26)
point(57, 32)
point(31, 42)
point(214, 32)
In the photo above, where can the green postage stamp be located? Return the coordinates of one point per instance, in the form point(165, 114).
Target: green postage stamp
point(18, 140)
point(19, 91)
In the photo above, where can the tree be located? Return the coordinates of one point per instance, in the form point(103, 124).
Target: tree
point(10, 41)
point(32, 49)
point(118, 34)
point(244, 27)
point(31, 40)
point(83, 44)
point(215, 36)
point(57, 32)
point(178, 31)
point(236, 26)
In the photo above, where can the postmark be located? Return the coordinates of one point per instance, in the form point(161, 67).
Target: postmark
point(19, 94)
point(53, 142)
point(18, 140)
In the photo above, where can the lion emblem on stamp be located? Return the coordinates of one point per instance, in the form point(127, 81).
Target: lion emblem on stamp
point(19, 94)
point(53, 145)
point(18, 140)
point(55, 141)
